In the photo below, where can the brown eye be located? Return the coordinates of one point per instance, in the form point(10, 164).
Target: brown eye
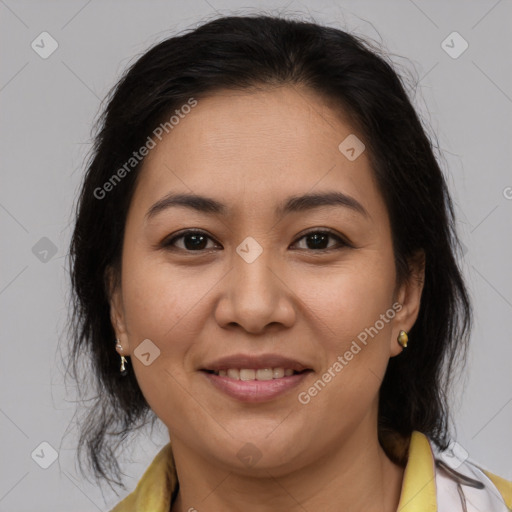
point(319, 241)
point(191, 241)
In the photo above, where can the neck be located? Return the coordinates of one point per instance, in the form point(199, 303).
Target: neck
point(356, 476)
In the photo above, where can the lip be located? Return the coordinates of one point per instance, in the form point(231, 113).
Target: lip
point(255, 390)
point(255, 362)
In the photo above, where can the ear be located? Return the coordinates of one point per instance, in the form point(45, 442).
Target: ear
point(408, 295)
point(117, 314)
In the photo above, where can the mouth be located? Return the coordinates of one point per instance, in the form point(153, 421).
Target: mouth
point(260, 374)
point(255, 379)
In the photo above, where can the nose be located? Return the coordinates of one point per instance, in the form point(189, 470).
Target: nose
point(256, 295)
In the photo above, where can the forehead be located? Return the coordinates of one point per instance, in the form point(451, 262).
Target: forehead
point(253, 148)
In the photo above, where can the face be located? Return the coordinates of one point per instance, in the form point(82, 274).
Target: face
point(262, 278)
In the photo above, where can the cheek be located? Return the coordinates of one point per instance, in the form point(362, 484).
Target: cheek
point(354, 313)
point(158, 300)
point(167, 307)
point(350, 297)
point(156, 310)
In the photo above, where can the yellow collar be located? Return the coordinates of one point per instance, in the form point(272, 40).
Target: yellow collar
point(154, 490)
point(419, 483)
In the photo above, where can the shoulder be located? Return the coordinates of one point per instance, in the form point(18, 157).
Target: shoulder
point(154, 490)
point(462, 481)
point(504, 486)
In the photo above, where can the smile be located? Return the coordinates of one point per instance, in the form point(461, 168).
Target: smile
point(246, 374)
point(245, 386)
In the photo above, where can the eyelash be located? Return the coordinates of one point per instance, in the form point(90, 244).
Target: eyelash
point(342, 243)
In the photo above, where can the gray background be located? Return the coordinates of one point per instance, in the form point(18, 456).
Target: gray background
point(48, 106)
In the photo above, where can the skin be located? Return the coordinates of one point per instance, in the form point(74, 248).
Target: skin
point(252, 150)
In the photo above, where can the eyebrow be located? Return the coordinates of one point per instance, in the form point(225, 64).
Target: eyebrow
point(299, 203)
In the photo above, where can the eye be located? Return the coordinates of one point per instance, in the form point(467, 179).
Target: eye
point(318, 241)
point(193, 240)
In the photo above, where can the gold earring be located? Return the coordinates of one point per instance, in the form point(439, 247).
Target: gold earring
point(402, 339)
point(123, 369)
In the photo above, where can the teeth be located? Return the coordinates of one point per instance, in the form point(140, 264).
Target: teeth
point(259, 374)
point(278, 373)
point(233, 373)
point(265, 374)
point(247, 374)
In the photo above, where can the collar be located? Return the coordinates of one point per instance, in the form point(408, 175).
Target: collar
point(419, 483)
point(155, 489)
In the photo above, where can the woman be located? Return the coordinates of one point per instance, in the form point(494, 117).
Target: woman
point(262, 228)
